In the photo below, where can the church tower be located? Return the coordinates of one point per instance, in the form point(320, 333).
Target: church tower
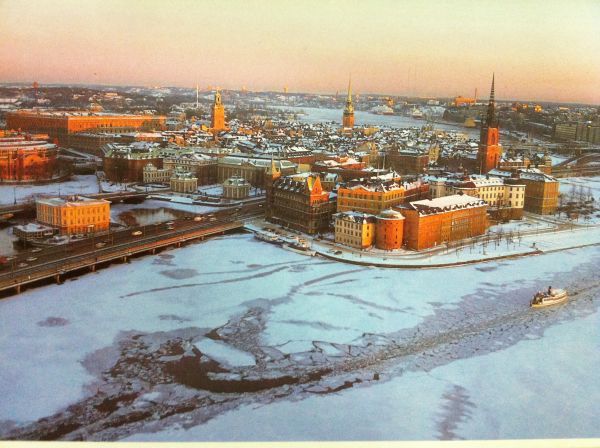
point(348, 117)
point(488, 155)
point(272, 173)
point(217, 122)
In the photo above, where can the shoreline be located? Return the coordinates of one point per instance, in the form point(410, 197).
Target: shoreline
point(444, 257)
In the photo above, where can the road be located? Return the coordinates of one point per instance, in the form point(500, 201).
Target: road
point(37, 259)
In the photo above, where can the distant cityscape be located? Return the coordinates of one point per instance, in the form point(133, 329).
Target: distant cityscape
point(92, 177)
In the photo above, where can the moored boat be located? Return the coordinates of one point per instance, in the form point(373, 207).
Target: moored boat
point(549, 298)
point(299, 246)
point(268, 237)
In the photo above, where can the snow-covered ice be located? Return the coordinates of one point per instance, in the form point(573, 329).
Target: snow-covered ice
point(309, 304)
point(78, 184)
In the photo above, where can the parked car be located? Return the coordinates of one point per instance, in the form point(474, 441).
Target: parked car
point(36, 250)
point(30, 259)
point(136, 233)
point(100, 244)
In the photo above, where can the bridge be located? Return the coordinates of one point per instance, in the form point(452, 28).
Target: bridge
point(587, 164)
point(56, 262)
point(29, 206)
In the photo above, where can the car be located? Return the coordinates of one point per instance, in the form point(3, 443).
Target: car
point(213, 219)
point(338, 252)
point(36, 250)
point(136, 233)
point(198, 218)
point(169, 223)
point(100, 244)
point(22, 265)
point(170, 228)
point(30, 259)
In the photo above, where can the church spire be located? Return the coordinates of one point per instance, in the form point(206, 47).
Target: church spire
point(218, 98)
point(491, 113)
point(348, 116)
point(349, 106)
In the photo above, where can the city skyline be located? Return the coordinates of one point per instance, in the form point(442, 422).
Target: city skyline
point(538, 50)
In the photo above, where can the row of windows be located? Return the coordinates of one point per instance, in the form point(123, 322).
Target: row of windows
point(388, 196)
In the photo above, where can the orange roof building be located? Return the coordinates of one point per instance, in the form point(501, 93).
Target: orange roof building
point(58, 125)
point(27, 158)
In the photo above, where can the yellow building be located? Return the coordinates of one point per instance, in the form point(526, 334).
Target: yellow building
point(504, 196)
point(369, 199)
point(74, 215)
point(355, 229)
point(374, 197)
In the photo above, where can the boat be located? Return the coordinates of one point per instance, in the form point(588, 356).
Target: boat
point(417, 114)
point(268, 237)
point(549, 298)
point(299, 246)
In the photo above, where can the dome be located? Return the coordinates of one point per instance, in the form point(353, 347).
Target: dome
point(390, 214)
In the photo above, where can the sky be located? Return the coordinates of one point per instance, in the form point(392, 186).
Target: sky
point(539, 50)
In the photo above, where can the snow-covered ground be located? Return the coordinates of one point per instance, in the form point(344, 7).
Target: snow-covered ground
point(529, 363)
point(78, 184)
point(212, 190)
point(589, 184)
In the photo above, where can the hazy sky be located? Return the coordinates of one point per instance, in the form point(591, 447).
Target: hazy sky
point(545, 50)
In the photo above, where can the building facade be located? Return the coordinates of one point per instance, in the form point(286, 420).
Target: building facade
point(373, 197)
point(407, 161)
point(354, 229)
point(74, 215)
point(153, 175)
point(204, 167)
point(183, 182)
point(125, 163)
point(27, 158)
point(505, 196)
point(59, 125)
point(541, 191)
point(251, 169)
point(236, 188)
point(429, 223)
point(389, 231)
point(299, 202)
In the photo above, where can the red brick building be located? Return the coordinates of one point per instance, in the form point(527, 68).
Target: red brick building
point(429, 223)
point(27, 158)
point(389, 230)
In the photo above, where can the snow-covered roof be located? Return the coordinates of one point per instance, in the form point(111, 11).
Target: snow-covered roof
point(446, 204)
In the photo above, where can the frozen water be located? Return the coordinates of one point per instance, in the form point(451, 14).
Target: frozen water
point(224, 353)
point(78, 184)
point(310, 304)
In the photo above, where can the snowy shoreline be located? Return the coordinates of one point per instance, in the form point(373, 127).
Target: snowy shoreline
point(443, 256)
